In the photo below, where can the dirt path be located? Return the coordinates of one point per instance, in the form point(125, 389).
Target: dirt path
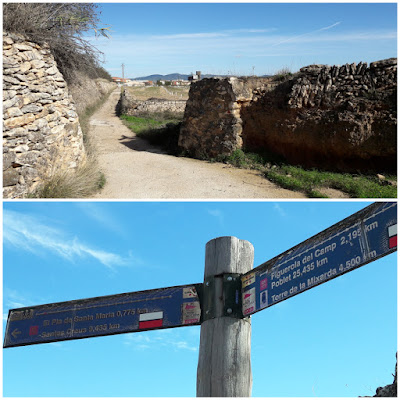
point(136, 170)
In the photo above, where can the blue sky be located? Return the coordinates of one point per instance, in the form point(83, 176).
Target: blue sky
point(232, 38)
point(338, 339)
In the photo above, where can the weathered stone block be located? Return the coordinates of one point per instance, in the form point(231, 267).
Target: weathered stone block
point(19, 121)
point(12, 112)
point(8, 160)
point(10, 177)
point(23, 47)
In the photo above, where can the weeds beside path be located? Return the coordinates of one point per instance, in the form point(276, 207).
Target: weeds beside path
point(316, 183)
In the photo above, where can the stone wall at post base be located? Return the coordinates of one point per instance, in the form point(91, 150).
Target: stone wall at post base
point(341, 118)
point(41, 131)
point(129, 105)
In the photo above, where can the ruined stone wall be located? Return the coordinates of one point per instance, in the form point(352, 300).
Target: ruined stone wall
point(41, 132)
point(342, 118)
point(212, 122)
point(129, 105)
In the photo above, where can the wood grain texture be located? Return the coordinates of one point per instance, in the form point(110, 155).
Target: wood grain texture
point(224, 368)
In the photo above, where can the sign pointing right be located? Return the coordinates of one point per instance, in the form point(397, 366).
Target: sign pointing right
point(357, 240)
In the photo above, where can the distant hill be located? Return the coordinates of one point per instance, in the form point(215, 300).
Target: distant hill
point(157, 77)
point(169, 77)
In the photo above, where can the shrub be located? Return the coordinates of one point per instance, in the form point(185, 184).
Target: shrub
point(283, 75)
point(83, 182)
point(60, 25)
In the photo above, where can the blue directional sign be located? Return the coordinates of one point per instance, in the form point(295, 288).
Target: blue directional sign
point(359, 239)
point(108, 315)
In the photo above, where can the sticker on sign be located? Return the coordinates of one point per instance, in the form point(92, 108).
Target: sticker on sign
point(151, 320)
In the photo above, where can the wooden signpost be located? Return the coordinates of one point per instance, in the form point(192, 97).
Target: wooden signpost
point(232, 291)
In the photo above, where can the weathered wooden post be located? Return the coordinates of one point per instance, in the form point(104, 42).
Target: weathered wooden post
point(224, 368)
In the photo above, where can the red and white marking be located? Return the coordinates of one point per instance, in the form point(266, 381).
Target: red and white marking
point(151, 320)
point(392, 231)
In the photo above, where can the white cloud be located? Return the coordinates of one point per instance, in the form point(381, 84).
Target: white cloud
point(197, 50)
point(225, 42)
point(99, 213)
point(280, 210)
point(217, 214)
point(308, 33)
point(28, 233)
point(189, 36)
point(163, 339)
point(209, 35)
point(15, 299)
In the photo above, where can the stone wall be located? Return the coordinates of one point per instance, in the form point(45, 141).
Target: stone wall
point(129, 105)
point(41, 132)
point(212, 122)
point(87, 92)
point(342, 118)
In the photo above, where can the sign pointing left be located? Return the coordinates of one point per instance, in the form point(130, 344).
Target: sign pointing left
point(15, 333)
point(107, 315)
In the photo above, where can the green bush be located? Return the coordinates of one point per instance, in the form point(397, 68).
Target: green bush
point(159, 129)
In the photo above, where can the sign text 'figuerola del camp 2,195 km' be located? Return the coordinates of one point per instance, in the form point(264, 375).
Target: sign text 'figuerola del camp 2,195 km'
point(122, 313)
point(359, 239)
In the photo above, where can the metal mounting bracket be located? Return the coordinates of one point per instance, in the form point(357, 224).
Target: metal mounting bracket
point(221, 297)
point(232, 289)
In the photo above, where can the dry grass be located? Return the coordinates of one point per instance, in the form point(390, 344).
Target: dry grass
point(79, 183)
point(159, 92)
point(87, 178)
point(63, 27)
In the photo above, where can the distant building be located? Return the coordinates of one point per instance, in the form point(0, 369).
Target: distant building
point(120, 80)
point(195, 77)
point(136, 83)
point(179, 82)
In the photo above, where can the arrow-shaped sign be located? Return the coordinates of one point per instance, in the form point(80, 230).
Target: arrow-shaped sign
point(357, 240)
point(107, 315)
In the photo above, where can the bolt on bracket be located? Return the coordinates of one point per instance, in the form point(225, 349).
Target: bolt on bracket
point(221, 297)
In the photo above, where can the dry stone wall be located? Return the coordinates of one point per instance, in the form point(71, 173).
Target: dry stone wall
point(129, 105)
point(41, 132)
point(212, 123)
point(342, 118)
